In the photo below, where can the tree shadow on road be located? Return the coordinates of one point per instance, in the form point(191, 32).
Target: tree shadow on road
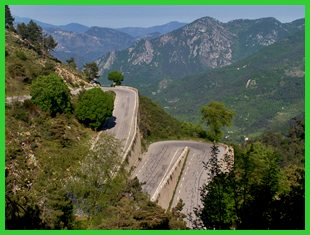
point(109, 124)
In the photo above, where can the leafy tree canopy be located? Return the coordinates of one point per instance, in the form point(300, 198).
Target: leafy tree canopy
point(51, 94)
point(216, 116)
point(94, 107)
point(116, 76)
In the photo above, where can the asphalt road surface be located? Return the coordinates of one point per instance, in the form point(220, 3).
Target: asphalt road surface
point(160, 157)
point(194, 176)
point(124, 121)
point(156, 164)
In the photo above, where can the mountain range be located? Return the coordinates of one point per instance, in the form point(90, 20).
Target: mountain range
point(86, 44)
point(196, 47)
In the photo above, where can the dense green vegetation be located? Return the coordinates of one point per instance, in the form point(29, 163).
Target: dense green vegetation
point(94, 107)
point(54, 180)
point(116, 76)
point(51, 94)
point(216, 116)
point(155, 124)
point(264, 190)
point(41, 152)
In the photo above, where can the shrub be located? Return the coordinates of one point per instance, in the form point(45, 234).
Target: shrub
point(48, 68)
point(17, 71)
point(21, 55)
point(51, 94)
point(94, 107)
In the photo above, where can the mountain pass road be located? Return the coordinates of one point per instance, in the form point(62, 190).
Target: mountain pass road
point(123, 124)
point(160, 157)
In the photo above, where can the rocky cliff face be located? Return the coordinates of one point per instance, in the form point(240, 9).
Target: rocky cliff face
point(204, 44)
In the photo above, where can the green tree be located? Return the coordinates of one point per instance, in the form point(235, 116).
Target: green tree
point(243, 198)
point(35, 32)
point(51, 94)
point(91, 71)
point(49, 43)
point(216, 196)
point(9, 19)
point(22, 30)
point(71, 63)
point(117, 77)
point(94, 107)
point(216, 116)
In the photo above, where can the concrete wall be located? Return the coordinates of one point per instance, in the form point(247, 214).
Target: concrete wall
point(169, 183)
point(133, 155)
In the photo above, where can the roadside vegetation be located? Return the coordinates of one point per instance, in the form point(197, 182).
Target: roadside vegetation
point(116, 77)
point(53, 179)
point(51, 94)
point(94, 107)
point(155, 124)
point(265, 188)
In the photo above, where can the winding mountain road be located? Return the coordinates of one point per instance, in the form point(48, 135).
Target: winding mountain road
point(123, 124)
point(156, 164)
point(158, 161)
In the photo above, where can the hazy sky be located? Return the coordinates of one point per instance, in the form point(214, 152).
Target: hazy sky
point(121, 16)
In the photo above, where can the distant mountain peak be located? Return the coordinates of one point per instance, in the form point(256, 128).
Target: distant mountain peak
point(204, 44)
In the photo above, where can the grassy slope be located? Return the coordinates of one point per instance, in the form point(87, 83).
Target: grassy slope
point(23, 64)
point(156, 124)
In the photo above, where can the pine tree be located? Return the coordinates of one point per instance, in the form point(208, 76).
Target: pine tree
point(91, 71)
point(71, 63)
point(9, 19)
point(49, 43)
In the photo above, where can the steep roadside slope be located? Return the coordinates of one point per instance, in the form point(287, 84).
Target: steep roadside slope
point(23, 64)
point(53, 179)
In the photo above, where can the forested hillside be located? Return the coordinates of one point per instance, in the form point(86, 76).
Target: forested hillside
point(266, 89)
